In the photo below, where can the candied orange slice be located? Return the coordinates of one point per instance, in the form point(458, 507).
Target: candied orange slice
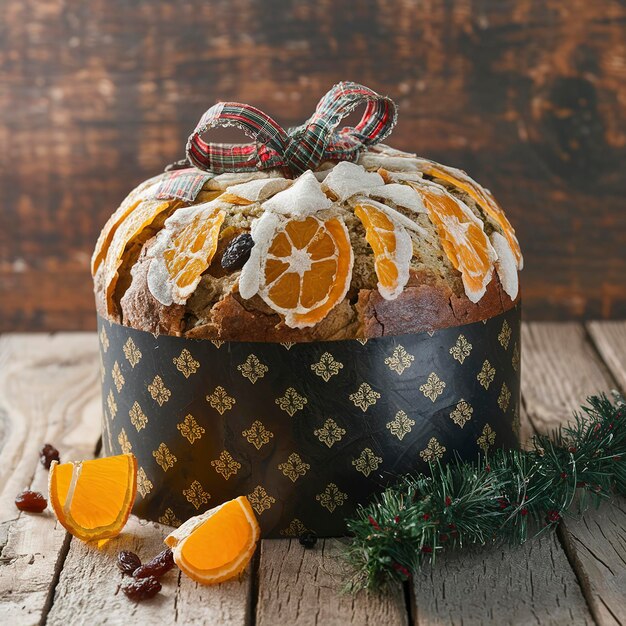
point(480, 195)
point(392, 249)
point(183, 251)
point(217, 545)
point(302, 267)
point(93, 499)
point(462, 237)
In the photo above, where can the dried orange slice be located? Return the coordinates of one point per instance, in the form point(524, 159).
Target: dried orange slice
point(217, 545)
point(300, 267)
point(183, 250)
point(93, 499)
point(462, 237)
point(480, 195)
point(392, 249)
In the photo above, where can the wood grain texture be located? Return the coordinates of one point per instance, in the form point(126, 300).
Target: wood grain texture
point(610, 341)
point(298, 586)
point(560, 368)
point(529, 584)
point(527, 96)
point(48, 393)
point(89, 587)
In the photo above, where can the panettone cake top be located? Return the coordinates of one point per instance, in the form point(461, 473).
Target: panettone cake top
point(388, 244)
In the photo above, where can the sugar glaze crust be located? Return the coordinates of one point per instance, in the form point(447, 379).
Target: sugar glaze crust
point(436, 292)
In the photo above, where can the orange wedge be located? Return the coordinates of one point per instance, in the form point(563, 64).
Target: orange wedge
point(462, 237)
point(302, 268)
point(183, 251)
point(392, 249)
point(217, 545)
point(480, 195)
point(93, 499)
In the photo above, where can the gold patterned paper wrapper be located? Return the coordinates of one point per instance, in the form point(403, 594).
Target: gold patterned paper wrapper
point(306, 431)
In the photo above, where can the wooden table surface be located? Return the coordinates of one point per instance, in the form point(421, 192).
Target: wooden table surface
point(49, 392)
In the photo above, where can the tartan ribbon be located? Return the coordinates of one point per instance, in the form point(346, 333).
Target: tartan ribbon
point(297, 149)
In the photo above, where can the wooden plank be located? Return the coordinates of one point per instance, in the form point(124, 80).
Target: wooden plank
point(298, 586)
point(610, 341)
point(85, 121)
point(47, 394)
point(528, 584)
point(89, 586)
point(560, 368)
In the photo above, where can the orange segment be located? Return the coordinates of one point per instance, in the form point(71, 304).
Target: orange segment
point(462, 237)
point(217, 545)
point(480, 195)
point(392, 249)
point(183, 251)
point(93, 499)
point(306, 270)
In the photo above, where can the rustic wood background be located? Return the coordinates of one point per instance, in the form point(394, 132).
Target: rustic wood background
point(528, 96)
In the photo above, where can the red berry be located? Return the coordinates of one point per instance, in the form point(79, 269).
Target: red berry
point(373, 522)
point(563, 475)
point(426, 517)
point(427, 549)
point(31, 501)
point(524, 512)
point(396, 519)
point(448, 500)
point(403, 570)
point(553, 517)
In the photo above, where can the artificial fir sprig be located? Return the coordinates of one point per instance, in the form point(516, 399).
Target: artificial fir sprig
point(508, 495)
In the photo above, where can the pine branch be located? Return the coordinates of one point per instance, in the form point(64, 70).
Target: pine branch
point(508, 495)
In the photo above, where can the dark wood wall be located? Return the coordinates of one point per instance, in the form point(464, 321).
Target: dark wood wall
point(529, 97)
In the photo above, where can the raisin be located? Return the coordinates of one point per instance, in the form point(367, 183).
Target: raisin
point(308, 539)
point(48, 454)
point(142, 589)
point(31, 501)
point(128, 561)
point(237, 252)
point(159, 565)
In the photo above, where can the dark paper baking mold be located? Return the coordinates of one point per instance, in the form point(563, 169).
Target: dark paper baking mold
point(307, 431)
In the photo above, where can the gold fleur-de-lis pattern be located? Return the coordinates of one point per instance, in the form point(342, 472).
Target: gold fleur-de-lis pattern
point(164, 457)
point(461, 349)
point(313, 435)
point(220, 400)
point(400, 425)
point(260, 500)
point(253, 369)
point(225, 465)
point(196, 495)
point(185, 363)
point(367, 462)
point(118, 377)
point(159, 392)
point(399, 360)
point(190, 429)
point(433, 451)
point(331, 497)
point(433, 387)
point(364, 397)
point(291, 401)
point(330, 432)
point(487, 438)
point(294, 467)
point(327, 367)
point(132, 352)
point(257, 434)
point(462, 413)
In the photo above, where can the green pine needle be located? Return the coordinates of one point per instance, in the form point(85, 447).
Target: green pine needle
point(509, 495)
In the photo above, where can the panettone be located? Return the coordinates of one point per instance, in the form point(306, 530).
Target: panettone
point(304, 318)
point(423, 246)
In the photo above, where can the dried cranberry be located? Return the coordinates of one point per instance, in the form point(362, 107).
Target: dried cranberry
point(48, 454)
point(128, 561)
point(237, 252)
point(308, 539)
point(31, 501)
point(159, 565)
point(142, 589)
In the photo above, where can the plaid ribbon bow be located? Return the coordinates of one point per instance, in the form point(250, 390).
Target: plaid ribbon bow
point(297, 149)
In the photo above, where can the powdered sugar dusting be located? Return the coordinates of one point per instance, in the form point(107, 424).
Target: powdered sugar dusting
point(303, 198)
point(259, 190)
point(506, 265)
point(347, 179)
point(401, 195)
